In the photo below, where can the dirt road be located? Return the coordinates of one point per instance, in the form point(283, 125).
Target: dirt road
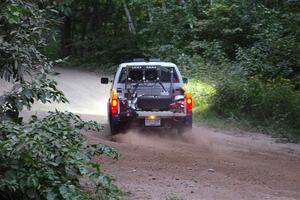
point(205, 164)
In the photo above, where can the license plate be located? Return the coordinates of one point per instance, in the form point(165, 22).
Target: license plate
point(152, 122)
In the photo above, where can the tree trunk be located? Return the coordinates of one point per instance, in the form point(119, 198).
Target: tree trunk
point(150, 11)
point(66, 36)
point(86, 20)
point(183, 3)
point(131, 27)
point(164, 7)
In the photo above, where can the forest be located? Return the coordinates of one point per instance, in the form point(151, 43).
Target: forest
point(255, 43)
point(242, 58)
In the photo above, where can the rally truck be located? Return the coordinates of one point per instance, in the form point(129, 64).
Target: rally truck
point(150, 93)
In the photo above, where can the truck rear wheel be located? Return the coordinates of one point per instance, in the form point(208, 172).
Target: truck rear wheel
point(114, 129)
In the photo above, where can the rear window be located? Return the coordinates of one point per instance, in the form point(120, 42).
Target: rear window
point(166, 74)
point(150, 74)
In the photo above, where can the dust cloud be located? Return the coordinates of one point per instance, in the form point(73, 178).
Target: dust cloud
point(168, 139)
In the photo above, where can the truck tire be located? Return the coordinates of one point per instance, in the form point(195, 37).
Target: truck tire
point(114, 129)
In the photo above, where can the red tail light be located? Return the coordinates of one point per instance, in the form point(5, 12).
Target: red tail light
point(189, 103)
point(114, 104)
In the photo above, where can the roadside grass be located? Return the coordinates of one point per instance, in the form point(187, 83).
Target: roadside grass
point(212, 119)
point(206, 114)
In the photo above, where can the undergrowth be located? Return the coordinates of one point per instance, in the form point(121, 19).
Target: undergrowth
point(249, 104)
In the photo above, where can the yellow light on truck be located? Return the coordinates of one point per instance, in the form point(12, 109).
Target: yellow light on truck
point(152, 117)
point(188, 94)
point(189, 101)
point(114, 94)
point(114, 102)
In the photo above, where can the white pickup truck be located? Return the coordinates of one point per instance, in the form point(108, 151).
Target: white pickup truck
point(151, 93)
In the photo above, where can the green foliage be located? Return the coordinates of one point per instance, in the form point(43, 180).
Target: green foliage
point(203, 94)
point(21, 35)
point(47, 158)
point(274, 103)
point(93, 31)
point(212, 41)
point(270, 107)
point(25, 93)
point(275, 52)
point(223, 43)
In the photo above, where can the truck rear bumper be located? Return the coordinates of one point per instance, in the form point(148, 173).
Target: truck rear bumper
point(165, 116)
point(160, 114)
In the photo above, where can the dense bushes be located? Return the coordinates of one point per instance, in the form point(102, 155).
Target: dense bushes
point(43, 158)
point(46, 158)
point(247, 53)
point(25, 93)
point(203, 94)
point(267, 106)
point(274, 104)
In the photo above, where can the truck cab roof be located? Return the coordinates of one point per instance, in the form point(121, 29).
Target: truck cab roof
point(162, 64)
point(120, 72)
